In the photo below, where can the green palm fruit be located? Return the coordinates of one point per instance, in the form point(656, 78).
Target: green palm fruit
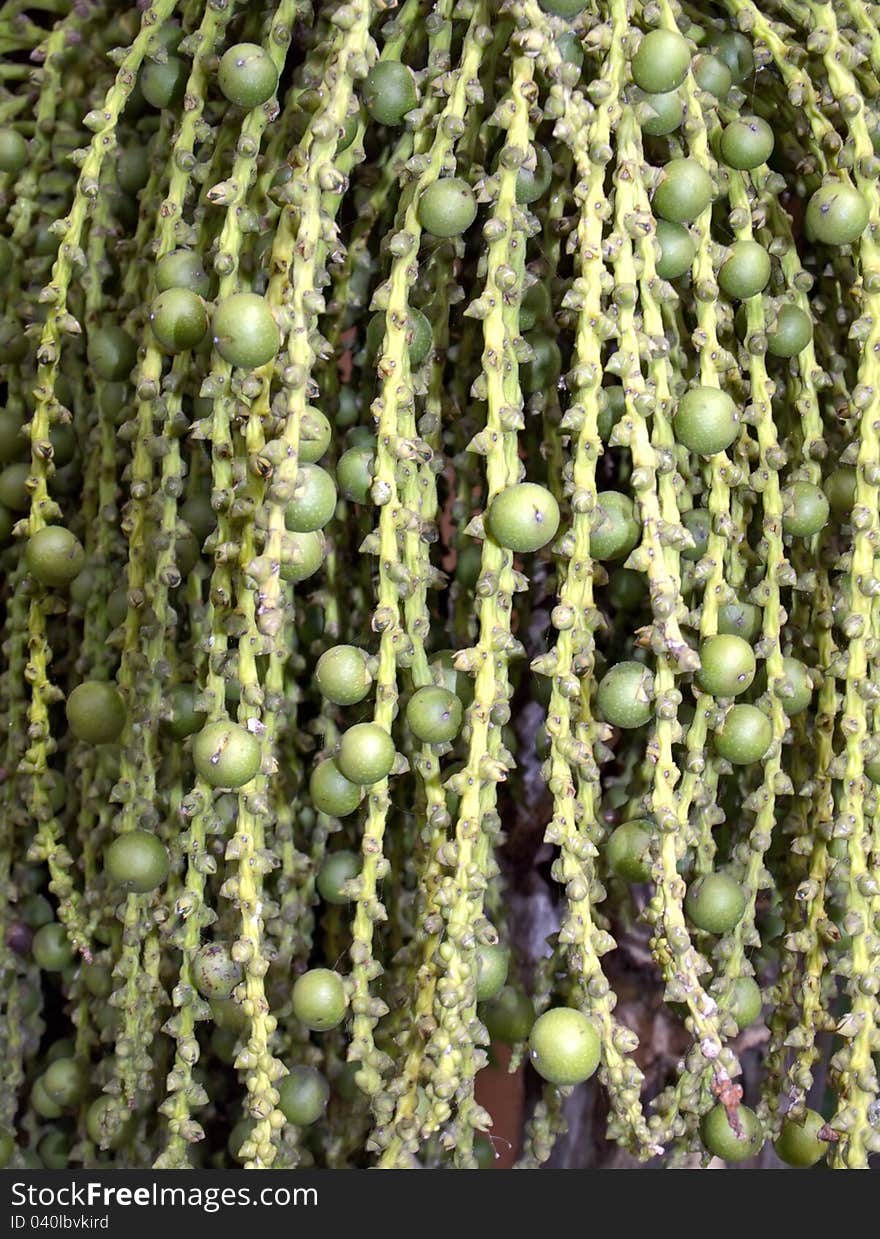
point(800, 1143)
point(733, 1138)
point(247, 75)
point(628, 850)
point(684, 191)
point(524, 517)
point(564, 1046)
point(661, 61)
point(837, 214)
point(625, 693)
point(715, 903)
point(389, 92)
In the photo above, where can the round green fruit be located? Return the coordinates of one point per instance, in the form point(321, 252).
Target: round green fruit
point(742, 619)
point(247, 75)
point(348, 131)
point(563, 8)
point(713, 75)
point(303, 1095)
point(746, 143)
point(83, 586)
point(805, 510)
point(303, 555)
point(64, 1048)
point(341, 675)
point(731, 1145)
point(313, 502)
point(54, 556)
point(536, 306)
point(790, 332)
point(35, 910)
point(744, 736)
point(523, 517)
point(795, 687)
point(510, 1016)
point(228, 1015)
point(137, 861)
point(698, 523)
point(185, 719)
point(51, 948)
point(389, 92)
point(542, 372)
point(98, 980)
point(164, 85)
point(354, 473)
point(66, 1081)
point(133, 169)
point(53, 1149)
point(660, 114)
point(612, 406)
point(245, 332)
point(661, 61)
point(569, 45)
point(315, 434)
point(319, 1000)
point(13, 151)
point(533, 183)
point(746, 270)
point(41, 1103)
point(677, 250)
point(434, 715)
point(215, 973)
point(419, 337)
point(14, 346)
point(735, 50)
point(12, 441)
point(715, 903)
point(366, 754)
point(183, 269)
point(706, 420)
point(727, 666)
point(240, 1133)
point(684, 192)
point(112, 353)
point(444, 672)
point(225, 755)
point(625, 695)
point(178, 319)
point(493, 963)
point(799, 1144)
point(840, 490)
point(64, 442)
point(628, 850)
point(14, 491)
point(448, 207)
point(108, 1125)
point(331, 792)
point(96, 712)
point(837, 214)
point(117, 607)
point(337, 869)
point(745, 1002)
point(627, 589)
point(564, 1046)
point(614, 529)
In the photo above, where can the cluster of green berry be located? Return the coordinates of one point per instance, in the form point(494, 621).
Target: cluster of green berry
point(416, 421)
